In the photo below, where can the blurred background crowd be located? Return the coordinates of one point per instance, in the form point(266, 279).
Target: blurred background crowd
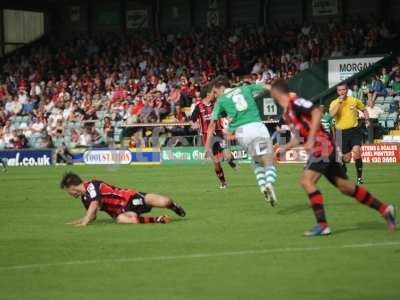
point(87, 90)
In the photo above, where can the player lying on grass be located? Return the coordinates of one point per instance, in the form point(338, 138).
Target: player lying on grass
point(251, 134)
point(125, 206)
point(202, 114)
point(304, 118)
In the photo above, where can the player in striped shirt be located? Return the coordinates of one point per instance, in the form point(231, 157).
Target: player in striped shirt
point(304, 118)
point(125, 206)
point(201, 115)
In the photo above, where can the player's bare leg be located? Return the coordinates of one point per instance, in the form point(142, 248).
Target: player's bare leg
point(160, 201)
point(388, 211)
point(133, 218)
point(265, 172)
point(309, 183)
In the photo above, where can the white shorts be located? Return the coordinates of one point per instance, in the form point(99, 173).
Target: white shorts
point(254, 138)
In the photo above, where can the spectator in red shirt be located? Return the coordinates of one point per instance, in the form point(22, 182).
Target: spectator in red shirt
point(161, 107)
point(3, 91)
point(108, 130)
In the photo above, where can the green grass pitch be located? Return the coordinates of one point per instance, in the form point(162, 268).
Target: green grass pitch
point(232, 245)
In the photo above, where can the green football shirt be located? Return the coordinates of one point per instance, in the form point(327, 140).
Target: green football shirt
point(327, 122)
point(239, 105)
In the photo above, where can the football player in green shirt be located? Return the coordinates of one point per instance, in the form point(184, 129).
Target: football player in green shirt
point(327, 121)
point(251, 134)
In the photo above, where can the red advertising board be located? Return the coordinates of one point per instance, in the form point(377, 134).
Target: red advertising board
point(381, 153)
point(377, 153)
point(295, 155)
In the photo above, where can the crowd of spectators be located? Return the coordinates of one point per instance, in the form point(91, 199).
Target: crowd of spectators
point(381, 95)
point(81, 91)
point(386, 83)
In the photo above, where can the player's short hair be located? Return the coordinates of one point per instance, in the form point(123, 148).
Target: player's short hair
point(205, 90)
point(70, 179)
point(281, 86)
point(221, 81)
point(342, 84)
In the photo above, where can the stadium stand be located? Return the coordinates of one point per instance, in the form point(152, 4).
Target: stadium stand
point(85, 91)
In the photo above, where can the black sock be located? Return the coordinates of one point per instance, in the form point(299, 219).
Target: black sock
point(359, 167)
point(173, 206)
point(220, 173)
point(344, 167)
point(231, 162)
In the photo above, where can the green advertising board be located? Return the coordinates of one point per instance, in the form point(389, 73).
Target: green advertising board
point(195, 155)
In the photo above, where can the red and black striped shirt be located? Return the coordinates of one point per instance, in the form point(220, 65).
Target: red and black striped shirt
point(111, 199)
point(298, 117)
point(202, 113)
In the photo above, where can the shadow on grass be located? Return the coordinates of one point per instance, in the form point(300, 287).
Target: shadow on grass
point(383, 181)
point(294, 209)
point(111, 222)
point(240, 186)
point(305, 206)
point(231, 188)
point(104, 222)
point(373, 225)
point(363, 226)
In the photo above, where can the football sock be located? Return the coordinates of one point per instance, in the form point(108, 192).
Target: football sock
point(173, 206)
point(344, 167)
point(219, 172)
point(359, 167)
point(317, 205)
point(364, 197)
point(231, 163)
point(270, 174)
point(146, 220)
point(259, 171)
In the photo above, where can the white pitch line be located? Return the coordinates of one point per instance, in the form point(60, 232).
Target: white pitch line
point(195, 255)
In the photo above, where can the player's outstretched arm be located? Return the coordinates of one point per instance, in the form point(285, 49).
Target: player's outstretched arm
point(316, 115)
point(283, 148)
point(90, 214)
point(74, 222)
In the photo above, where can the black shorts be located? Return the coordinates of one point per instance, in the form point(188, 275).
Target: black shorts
point(218, 143)
point(137, 205)
point(349, 138)
point(218, 147)
point(327, 166)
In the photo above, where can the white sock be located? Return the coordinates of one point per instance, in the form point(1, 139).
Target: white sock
point(270, 174)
